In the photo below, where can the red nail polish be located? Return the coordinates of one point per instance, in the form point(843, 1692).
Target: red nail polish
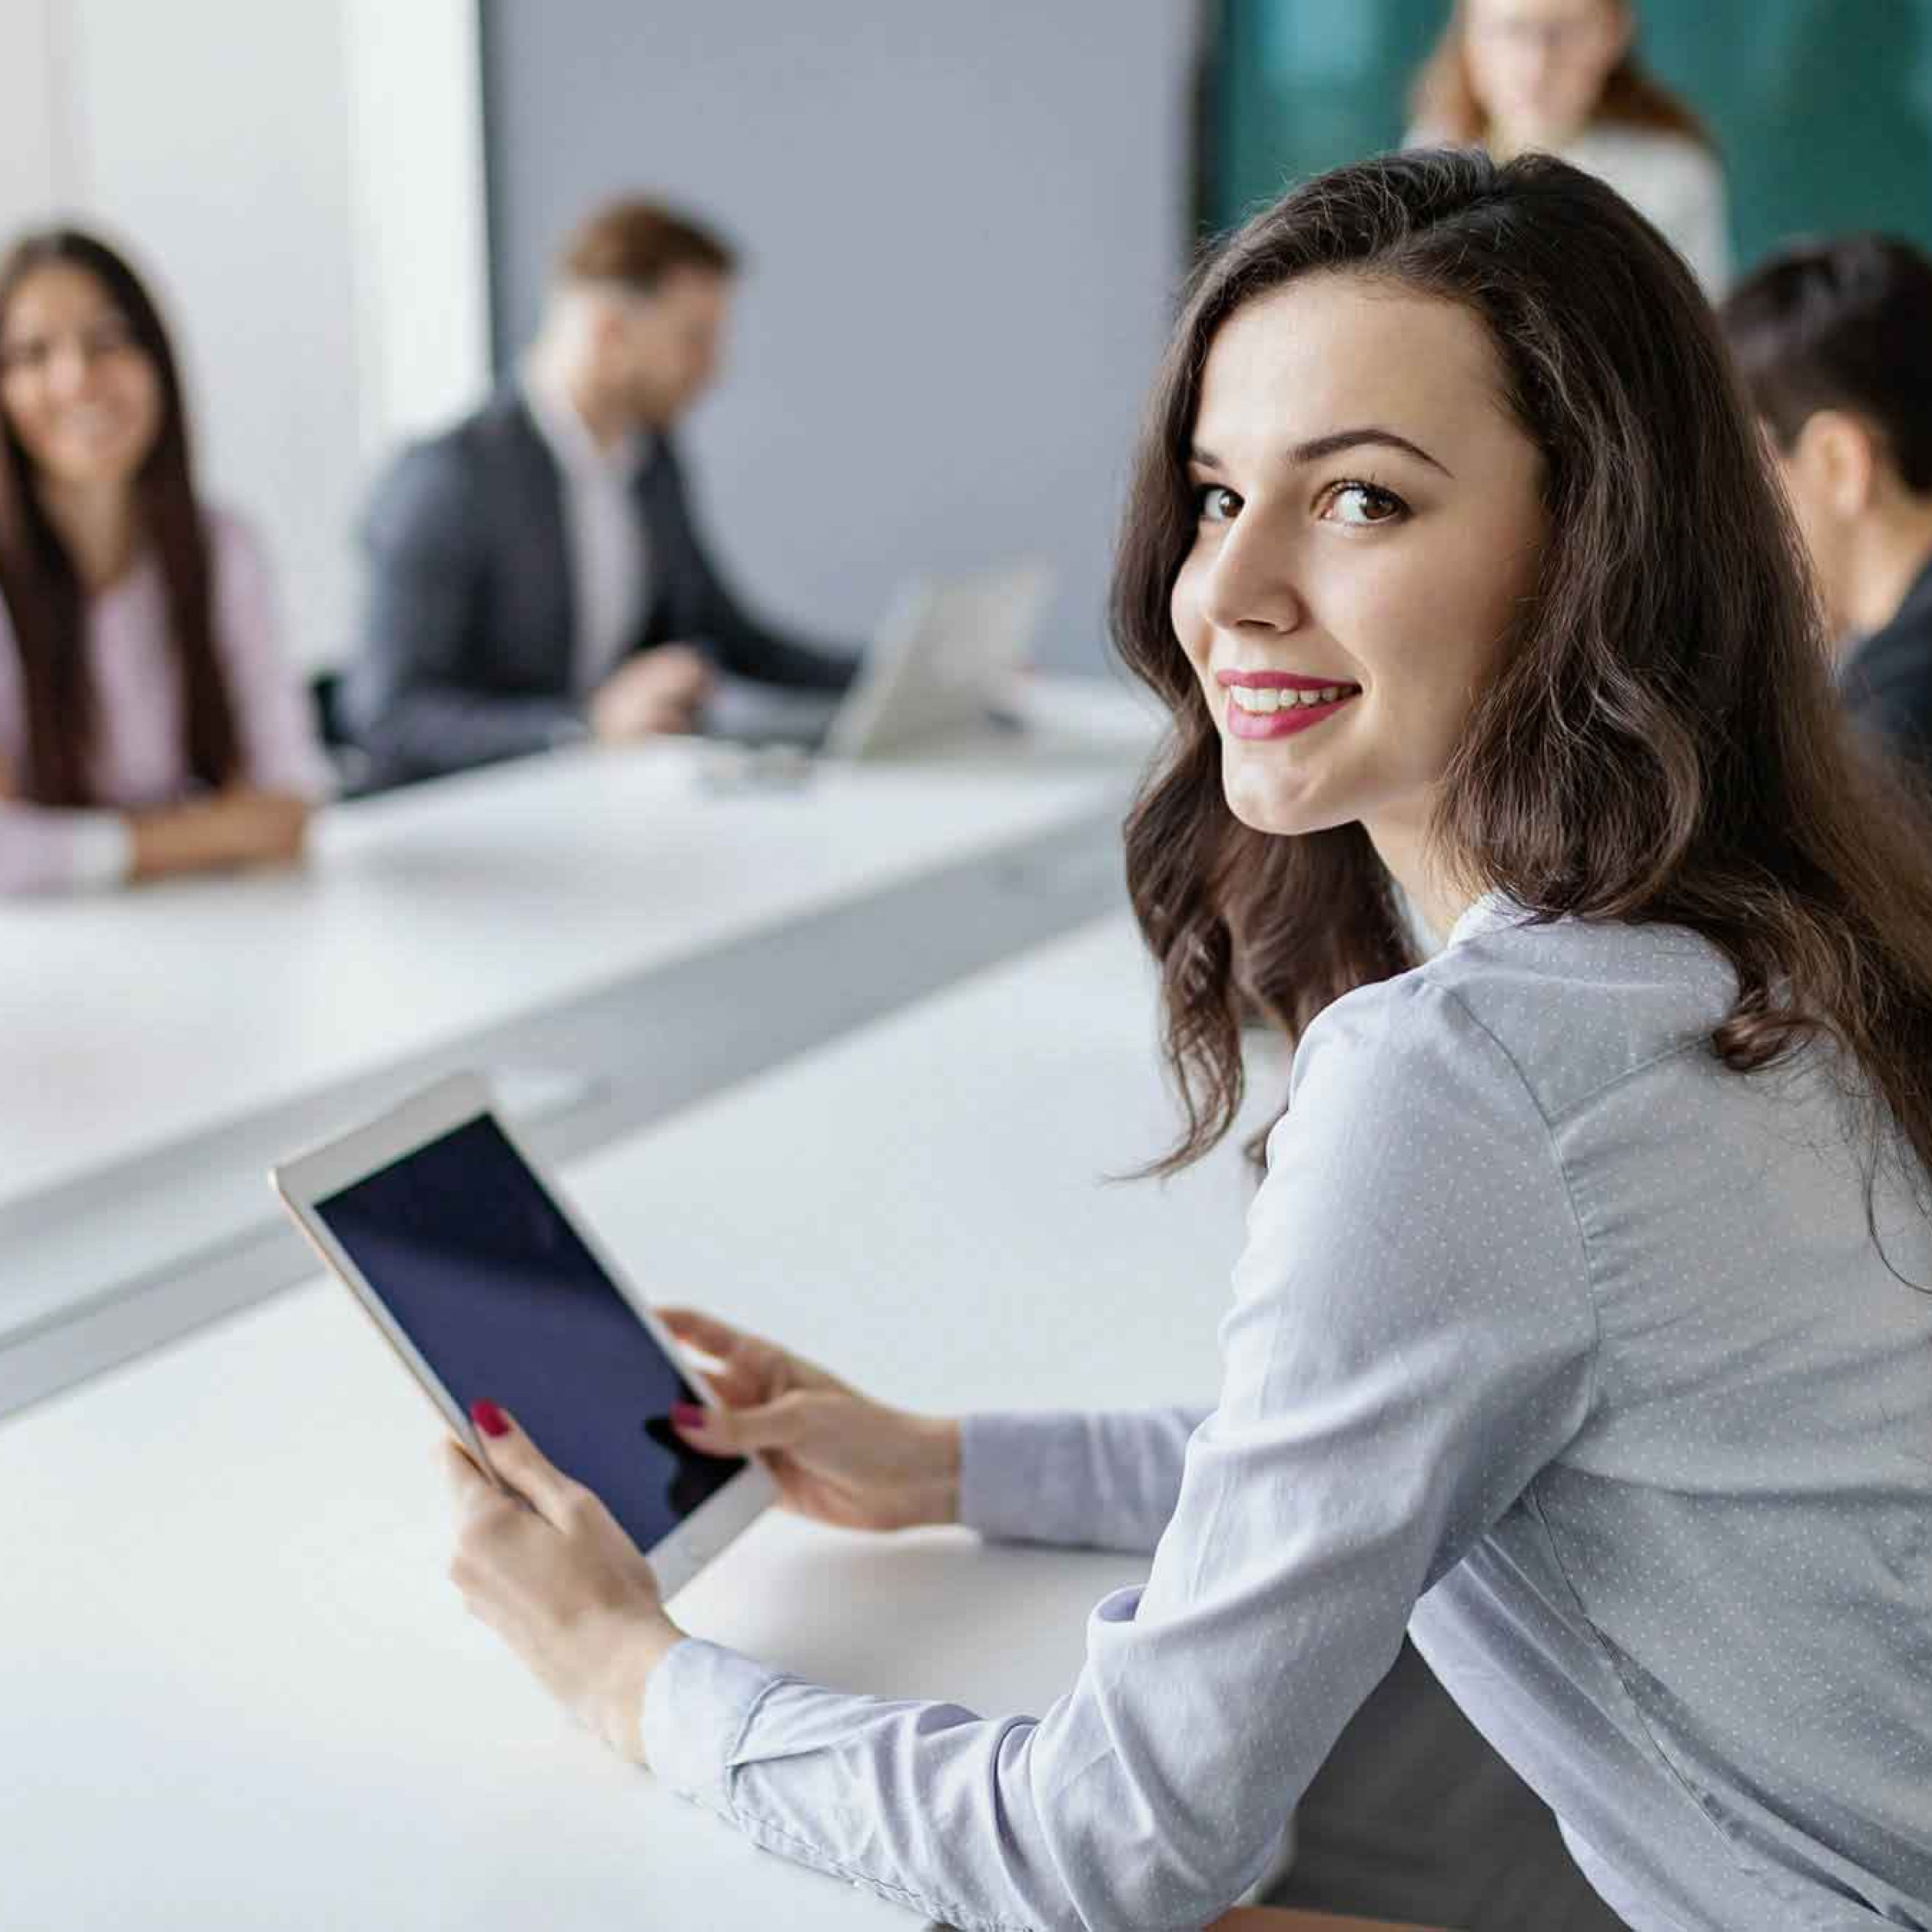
point(687, 1415)
point(489, 1419)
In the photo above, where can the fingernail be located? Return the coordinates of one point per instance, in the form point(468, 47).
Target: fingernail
point(489, 1419)
point(687, 1415)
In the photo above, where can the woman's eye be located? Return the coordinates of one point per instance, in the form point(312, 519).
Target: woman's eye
point(1216, 503)
point(109, 337)
point(1362, 505)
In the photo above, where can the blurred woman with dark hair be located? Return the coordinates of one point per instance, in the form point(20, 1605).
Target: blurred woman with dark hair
point(149, 723)
point(1562, 76)
point(1582, 1327)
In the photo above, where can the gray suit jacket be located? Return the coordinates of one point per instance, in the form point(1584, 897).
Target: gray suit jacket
point(1887, 680)
point(466, 645)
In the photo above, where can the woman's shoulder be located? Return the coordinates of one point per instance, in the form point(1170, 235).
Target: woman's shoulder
point(240, 569)
point(1662, 157)
point(1577, 1005)
point(243, 585)
point(234, 540)
point(1561, 1010)
point(1423, 133)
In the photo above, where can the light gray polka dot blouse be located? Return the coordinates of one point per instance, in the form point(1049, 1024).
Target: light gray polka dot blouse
point(1552, 1340)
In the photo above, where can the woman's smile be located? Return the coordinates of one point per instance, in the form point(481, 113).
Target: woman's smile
point(1275, 703)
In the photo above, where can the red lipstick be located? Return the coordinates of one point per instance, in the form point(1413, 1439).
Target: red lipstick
point(1292, 714)
point(1281, 681)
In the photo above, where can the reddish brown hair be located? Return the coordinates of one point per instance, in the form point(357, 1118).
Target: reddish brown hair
point(45, 600)
point(1662, 744)
point(637, 243)
point(1443, 105)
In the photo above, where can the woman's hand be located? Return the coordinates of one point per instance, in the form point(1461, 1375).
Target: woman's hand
point(835, 1455)
point(234, 827)
point(550, 1570)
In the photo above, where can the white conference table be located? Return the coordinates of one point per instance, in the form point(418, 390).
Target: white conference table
point(238, 1690)
point(617, 934)
point(130, 1021)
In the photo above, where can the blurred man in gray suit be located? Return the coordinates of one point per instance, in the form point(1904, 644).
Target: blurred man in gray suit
point(1834, 339)
point(535, 577)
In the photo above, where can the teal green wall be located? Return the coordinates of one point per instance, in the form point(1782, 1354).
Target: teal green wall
point(1822, 109)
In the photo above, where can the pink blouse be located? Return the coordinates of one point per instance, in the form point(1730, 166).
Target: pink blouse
point(139, 759)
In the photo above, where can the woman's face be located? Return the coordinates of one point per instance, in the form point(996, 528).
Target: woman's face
point(1370, 520)
point(1539, 67)
point(79, 392)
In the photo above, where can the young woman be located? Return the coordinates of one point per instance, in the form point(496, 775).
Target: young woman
point(1560, 76)
point(148, 722)
point(1582, 1327)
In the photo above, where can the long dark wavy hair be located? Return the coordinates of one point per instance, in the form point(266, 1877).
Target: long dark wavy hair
point(1662, 742)
point(45, 601)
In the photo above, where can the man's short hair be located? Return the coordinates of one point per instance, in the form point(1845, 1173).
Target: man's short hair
point(1843, 325)
point(634, 244)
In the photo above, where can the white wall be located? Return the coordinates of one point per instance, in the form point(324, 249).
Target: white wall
point(964, 224)
point(29, 167)
point(415, 142)
point(301, 181)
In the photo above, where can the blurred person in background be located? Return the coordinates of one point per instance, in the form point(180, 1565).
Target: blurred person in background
point(1562, 76)
point(150, 722)
point(535, 575)
point(1833, 339)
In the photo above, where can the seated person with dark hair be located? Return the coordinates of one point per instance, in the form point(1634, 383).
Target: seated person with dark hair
point(1834, 342)
point(535, 575)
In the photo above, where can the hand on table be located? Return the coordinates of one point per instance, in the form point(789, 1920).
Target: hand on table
point(239, 826)
point(656, 692)
point(558, 1580)
point(264, 828)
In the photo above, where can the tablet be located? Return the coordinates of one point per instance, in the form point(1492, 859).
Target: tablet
point(486, 1286)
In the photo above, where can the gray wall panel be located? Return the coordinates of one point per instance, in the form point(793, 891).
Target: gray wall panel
point(965, 223)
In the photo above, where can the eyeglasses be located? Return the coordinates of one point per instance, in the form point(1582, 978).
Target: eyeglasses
point(100, 341)
point(1524, 32)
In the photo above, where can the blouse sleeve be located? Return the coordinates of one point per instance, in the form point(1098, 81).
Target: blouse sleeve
point(43, 850)
point(1105, 1481)
point(1411, 1340)
point(279, 748)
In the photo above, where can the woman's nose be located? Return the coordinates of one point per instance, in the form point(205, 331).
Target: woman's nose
point(1249, 587)
point(1541, 59)
point(70, 369)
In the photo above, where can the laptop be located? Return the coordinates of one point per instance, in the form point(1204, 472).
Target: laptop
point(941, 662)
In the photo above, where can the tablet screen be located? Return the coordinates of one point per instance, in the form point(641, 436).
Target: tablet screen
point(483, 1273)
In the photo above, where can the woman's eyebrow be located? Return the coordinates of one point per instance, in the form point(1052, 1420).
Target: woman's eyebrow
point(1333, 444)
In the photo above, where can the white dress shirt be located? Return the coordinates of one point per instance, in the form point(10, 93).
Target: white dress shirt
point(1552, 1334)
point(609, 555)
